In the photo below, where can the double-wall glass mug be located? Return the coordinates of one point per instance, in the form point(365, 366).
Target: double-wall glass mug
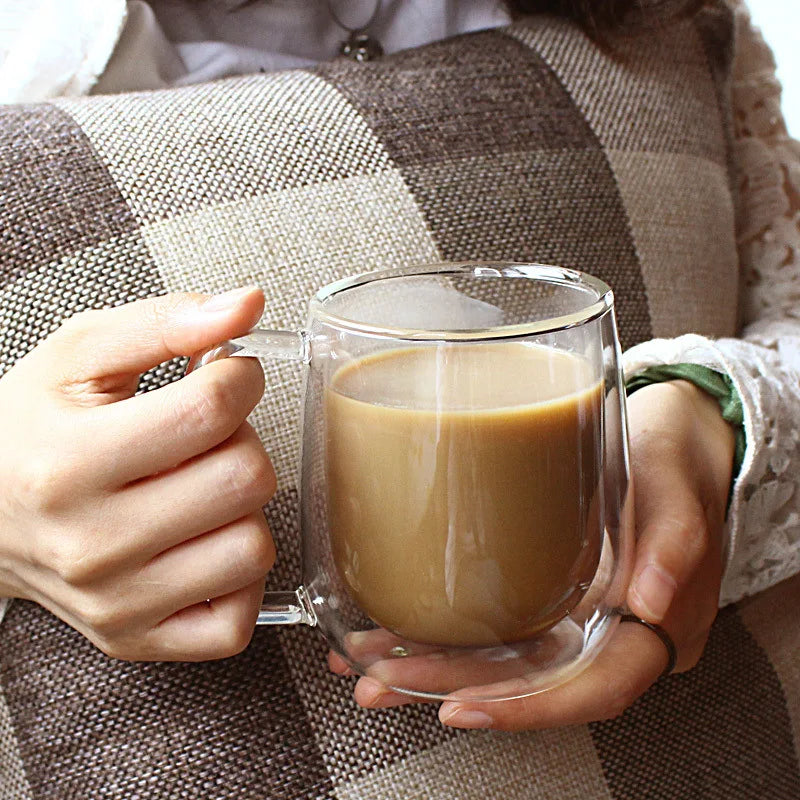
point(466, 504)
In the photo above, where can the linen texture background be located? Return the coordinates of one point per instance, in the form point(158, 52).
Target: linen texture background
point(530, 143)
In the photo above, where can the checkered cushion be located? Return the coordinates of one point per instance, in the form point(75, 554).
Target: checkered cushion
point(523, 143)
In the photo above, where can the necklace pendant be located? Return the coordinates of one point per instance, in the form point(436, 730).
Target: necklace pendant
point(361, 47)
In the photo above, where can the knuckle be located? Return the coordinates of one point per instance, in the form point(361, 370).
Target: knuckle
point(705, 616)
point(75, 557)
point(691, 652)
point(613, 710)
point(76, 571)
point(708, 616)
point(679, 542)
point(252, 377)
point(80, 326)
point(251, 474)
point(688, 662)
point(119, 650)
point(691, 534)
point(235, 636)
point(256, 551)
point(158, 312)
point(208, 411)
point(107, 618)
point(43, 484)
point(67, 557)
point(619, 697)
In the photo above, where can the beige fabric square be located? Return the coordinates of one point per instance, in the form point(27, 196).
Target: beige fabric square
point(250, 136)
point(542, 765)
point(691, 276)
point(290, 243)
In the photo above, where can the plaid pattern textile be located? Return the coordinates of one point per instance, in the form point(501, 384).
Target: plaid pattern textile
point(523, 143)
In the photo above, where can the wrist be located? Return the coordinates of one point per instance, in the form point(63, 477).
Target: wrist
point(715, 384)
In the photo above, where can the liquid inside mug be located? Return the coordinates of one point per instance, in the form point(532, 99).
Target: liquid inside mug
point(466, 512)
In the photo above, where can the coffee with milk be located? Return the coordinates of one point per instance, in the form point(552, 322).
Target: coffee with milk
point(464, 488)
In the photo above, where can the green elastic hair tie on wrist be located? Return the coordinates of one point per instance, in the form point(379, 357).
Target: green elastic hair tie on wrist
point(717, 384)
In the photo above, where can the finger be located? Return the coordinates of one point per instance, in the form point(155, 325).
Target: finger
point(692, 650)
point(371, 693)
point(677, 539)
point(219, 629)
point(505, 669)
point(151, 516)
point(676, 574)
point(100, 350)
point(204, 630)
point(673, 540)
point(156, 431)
point(338, 665)
point(366, 647)
point(621, 673)
point(209, 566)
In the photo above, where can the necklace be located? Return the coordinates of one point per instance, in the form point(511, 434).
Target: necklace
point(358, 45)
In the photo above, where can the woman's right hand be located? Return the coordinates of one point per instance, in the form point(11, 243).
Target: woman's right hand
point(121, 513)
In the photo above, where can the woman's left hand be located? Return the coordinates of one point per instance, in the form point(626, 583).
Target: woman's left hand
point(682, 456)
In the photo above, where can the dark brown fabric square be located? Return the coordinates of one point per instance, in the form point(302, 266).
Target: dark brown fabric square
point(90, 726)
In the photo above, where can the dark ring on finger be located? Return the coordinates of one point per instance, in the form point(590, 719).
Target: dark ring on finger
point(672, 653)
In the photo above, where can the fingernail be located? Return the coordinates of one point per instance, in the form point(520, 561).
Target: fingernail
point(383, 674)
point(357, 638)
point(226, 300)
point(457, 717)
point(371, 691)
point(655, 590)
point(372, 694)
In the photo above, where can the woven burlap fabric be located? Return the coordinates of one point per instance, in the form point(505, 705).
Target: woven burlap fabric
point(527, 143)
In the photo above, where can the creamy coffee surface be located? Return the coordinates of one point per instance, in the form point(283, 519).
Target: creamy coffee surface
point(463, 483)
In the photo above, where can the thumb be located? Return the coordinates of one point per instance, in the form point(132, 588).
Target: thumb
point(672, 536)
point(678, 518)
point(677, 572)
point(130, 339)
point(666, 556)
point(669, 519)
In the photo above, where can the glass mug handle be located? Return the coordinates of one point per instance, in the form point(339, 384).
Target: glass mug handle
point(277, 608)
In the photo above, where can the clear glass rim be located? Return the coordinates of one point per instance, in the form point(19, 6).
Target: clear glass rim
point(563, 276)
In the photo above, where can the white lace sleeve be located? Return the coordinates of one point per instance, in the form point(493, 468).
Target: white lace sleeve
point(764, 518)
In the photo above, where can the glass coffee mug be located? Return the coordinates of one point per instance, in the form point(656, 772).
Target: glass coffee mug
point(466, 507)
